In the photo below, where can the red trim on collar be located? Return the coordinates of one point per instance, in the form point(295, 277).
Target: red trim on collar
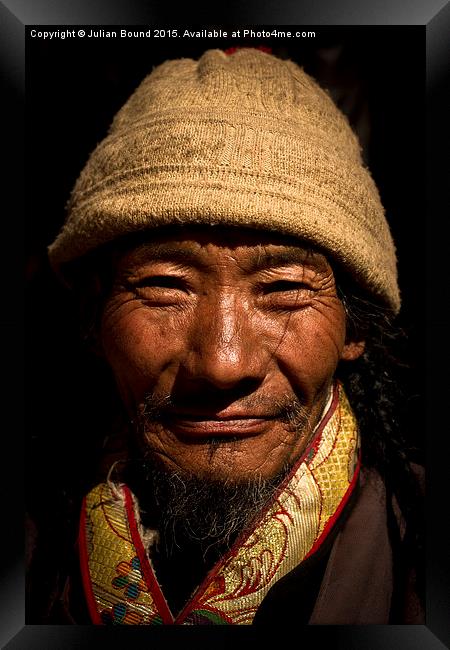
point(147, 570)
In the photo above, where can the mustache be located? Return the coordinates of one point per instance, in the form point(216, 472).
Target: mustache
point(157, 408)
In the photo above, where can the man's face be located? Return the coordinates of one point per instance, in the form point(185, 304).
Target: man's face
point(224, 344)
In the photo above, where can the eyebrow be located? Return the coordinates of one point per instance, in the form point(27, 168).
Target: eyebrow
point(284, 257)
point(155, 252)
point(169, 253)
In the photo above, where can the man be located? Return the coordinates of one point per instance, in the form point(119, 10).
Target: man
point(234, 256)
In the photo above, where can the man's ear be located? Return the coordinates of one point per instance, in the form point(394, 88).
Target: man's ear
point(353, 350)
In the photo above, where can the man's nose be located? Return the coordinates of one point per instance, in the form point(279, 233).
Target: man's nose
point(226, 347)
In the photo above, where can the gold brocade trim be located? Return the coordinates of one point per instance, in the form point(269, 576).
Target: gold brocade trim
point(119, 581)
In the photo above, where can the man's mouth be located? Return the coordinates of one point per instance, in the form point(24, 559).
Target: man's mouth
point(233, 425)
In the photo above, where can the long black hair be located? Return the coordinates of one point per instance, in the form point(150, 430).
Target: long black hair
point(379, 388)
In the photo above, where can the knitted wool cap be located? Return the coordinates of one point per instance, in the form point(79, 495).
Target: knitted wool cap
point(244, 139)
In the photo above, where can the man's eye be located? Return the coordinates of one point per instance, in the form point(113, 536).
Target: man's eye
point(287, 294)
point(161, 290)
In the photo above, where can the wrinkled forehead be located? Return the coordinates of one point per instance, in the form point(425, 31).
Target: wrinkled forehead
point(253, 249)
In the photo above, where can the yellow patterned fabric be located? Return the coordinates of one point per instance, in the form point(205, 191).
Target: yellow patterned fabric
point(119, 581)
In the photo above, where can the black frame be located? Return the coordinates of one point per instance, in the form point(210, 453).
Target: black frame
point(437, 631)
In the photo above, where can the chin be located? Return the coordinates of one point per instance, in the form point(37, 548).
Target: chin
point(225, 466)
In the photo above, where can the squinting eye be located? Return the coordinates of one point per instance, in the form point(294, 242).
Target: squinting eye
point(286, 294)
point(162, 291)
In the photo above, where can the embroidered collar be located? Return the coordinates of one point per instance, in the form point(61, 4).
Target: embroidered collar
point(119, 581)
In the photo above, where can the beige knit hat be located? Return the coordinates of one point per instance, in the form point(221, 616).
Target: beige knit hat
point(244, 139)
